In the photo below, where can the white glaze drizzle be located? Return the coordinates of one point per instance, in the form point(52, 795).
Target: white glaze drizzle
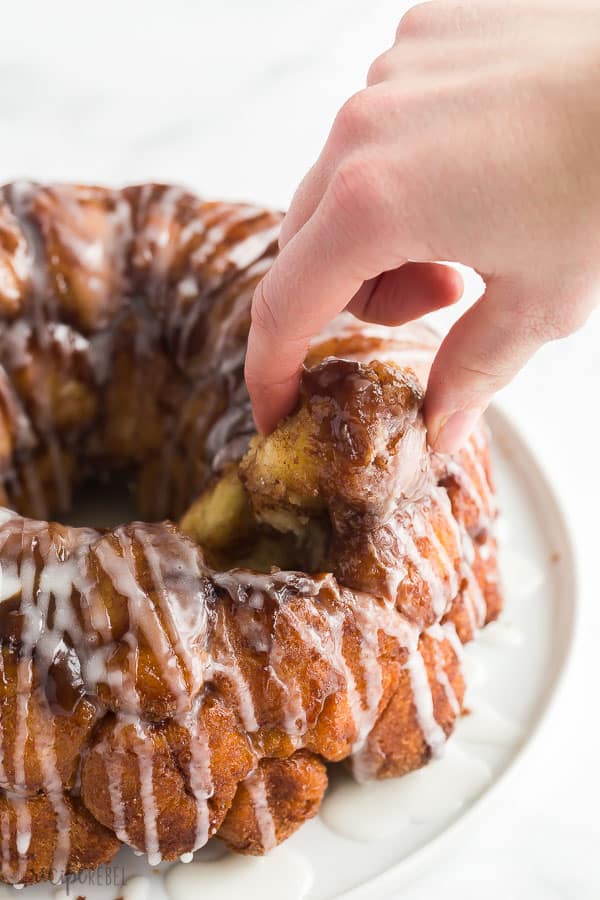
point(161, 615)
point(199, 772)
point(145, 755)
point(256, 786)
point(432, 732)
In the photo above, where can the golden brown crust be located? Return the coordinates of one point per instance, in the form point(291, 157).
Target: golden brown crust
point(396, 744)
point(201, 690)
point(104, 376)
point(86, 287)
point(293, 790)
point(354, 447)
point(69, 722)
point(479, 600)
point(387, 561)
point(115, 757)
point(87, 845)
point(13, 263)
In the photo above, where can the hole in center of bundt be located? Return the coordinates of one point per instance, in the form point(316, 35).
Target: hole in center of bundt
point(101, 504)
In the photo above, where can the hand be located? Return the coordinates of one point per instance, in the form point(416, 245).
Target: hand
point(477, 139)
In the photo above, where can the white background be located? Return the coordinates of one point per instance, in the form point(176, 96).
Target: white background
point(235, 99)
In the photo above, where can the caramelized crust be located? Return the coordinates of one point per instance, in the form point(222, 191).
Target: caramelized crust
point(62, 716)
point(397, 744)
point(13, 263)
point(273, 802)
point(137, 759)
point(44, 837)
point(354, 447)
point(388, 561)
point(164, 683)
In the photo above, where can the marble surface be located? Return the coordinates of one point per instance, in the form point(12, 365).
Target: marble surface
point(235, 99)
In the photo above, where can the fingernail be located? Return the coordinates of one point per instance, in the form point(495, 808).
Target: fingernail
point(454, 430)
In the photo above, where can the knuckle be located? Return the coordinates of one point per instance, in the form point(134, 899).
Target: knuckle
point(263, 314)
point(353, 187)
point(379, 70)
point(354, 119)
point(417, 20)
point(360, 209)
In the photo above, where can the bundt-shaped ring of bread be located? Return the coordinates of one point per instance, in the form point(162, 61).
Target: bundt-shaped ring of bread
point(164, 683)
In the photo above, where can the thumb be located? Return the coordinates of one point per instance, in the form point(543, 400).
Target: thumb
point(483, 351)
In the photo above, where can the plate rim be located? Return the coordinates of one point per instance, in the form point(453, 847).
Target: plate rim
point(504, 431)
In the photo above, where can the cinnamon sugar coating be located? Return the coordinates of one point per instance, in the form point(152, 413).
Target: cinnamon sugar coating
point(163, 683)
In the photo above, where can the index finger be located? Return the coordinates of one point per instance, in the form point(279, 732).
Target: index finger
point(311, 281)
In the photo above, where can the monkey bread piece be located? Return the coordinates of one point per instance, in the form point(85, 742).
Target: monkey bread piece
point(44, 837)
point(174, 781)
point(479, 600)
point(58, 708)
point(166, 683)
point(355, 447)
point(467, 479)
point(353, 450)
point(221, 520)
point(83, 288)
point(273, 801)
point(398, 738)
point(413, 560)
point(13, 263)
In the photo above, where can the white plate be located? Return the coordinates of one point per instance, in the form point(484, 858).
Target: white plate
point(514, 670)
